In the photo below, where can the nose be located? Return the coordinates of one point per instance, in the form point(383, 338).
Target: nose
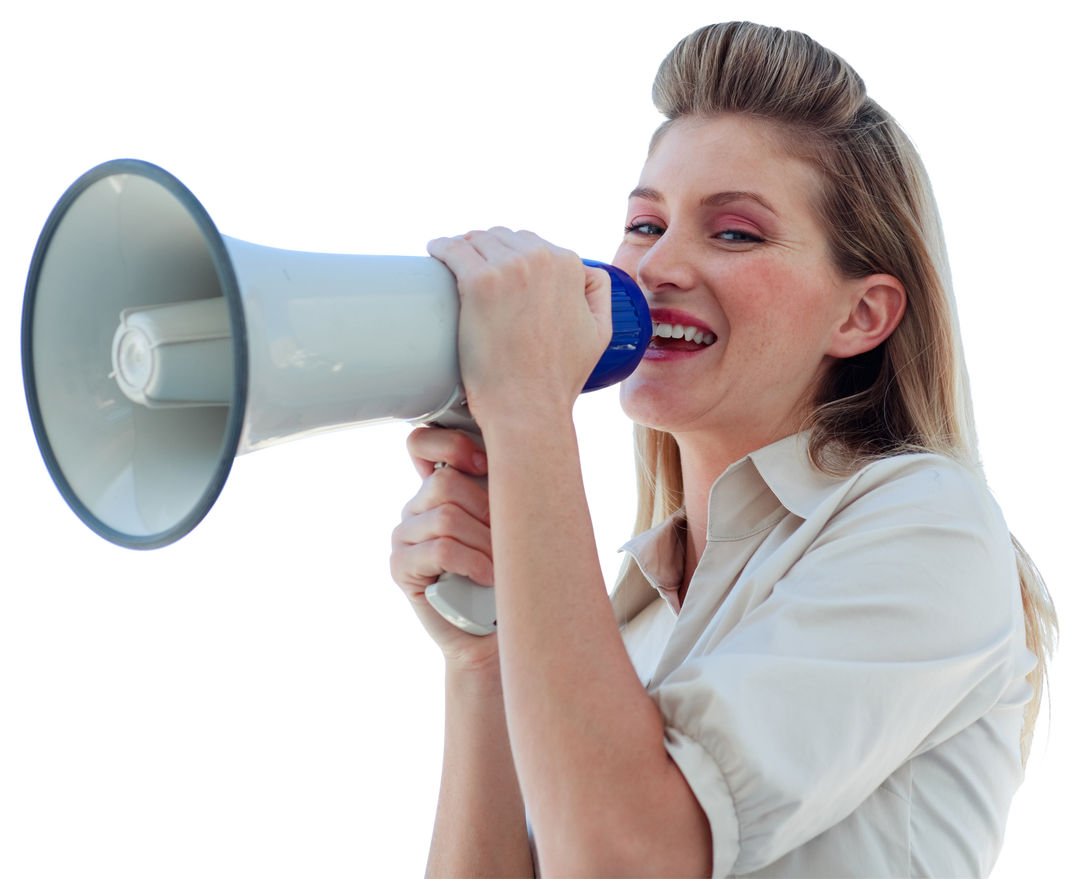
point(667, 266)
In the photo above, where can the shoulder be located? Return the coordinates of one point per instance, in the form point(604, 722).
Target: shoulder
point(935, 472)
point(932, 535)
point(924, 488)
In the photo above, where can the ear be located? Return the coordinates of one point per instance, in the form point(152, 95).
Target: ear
point(877, 303)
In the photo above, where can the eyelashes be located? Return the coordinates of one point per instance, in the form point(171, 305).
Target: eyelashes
point(643, 229)
point(655, 230)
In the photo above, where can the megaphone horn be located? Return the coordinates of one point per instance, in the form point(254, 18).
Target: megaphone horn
point(155, 349)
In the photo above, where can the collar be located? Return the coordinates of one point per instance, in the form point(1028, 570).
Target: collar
point(742, 501)
point(785, 467)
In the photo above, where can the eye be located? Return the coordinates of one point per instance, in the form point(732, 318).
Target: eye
point(643, 229)
point(738, 236)
point(654, 230)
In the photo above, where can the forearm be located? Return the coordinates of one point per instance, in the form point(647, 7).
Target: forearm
point(588, 741)
point(480, 821)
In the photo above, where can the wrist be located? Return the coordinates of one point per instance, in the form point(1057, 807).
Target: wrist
point(474, 680)
point(537, 418)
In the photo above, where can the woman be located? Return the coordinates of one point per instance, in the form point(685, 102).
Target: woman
point(817, 660)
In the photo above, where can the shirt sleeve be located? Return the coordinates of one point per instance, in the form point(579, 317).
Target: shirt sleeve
point(896, 625)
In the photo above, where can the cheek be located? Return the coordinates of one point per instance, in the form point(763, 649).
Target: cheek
point(758, 302)
point(778, 311)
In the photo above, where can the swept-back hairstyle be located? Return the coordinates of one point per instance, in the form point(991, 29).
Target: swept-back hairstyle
point(911, 393)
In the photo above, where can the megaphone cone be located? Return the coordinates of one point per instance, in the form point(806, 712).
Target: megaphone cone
point(155, 349)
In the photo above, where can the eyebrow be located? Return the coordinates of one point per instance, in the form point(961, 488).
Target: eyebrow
point(717, 199)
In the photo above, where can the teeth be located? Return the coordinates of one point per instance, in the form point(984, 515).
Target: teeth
point(678, 331)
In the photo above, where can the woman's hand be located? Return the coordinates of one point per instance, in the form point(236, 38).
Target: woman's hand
point(534, 321)
point(446, 527)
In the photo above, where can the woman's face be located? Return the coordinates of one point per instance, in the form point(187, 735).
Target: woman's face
point(721, 237)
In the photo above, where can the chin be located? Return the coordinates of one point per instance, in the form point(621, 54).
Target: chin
point(651, 404)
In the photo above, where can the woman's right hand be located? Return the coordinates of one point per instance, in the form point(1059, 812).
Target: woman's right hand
point(446, 527)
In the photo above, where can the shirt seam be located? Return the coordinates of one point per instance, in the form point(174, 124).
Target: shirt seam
point(776, 519)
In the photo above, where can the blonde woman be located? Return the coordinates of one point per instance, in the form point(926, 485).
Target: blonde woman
point(826, 654)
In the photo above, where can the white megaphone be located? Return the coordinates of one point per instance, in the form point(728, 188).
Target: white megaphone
point(155, 350)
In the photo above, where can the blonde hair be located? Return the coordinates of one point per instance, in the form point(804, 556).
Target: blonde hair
point(911, 393)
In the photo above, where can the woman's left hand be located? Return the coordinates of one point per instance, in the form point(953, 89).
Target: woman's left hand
point(534, 320)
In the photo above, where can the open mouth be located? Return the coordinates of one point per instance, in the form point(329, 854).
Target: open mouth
point(679, 337)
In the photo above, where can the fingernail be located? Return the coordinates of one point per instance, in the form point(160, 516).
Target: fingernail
point(479, 460)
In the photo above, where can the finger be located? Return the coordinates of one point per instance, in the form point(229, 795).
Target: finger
point(463, 249)
point(501, 242)
point(448, 486)
point(447, 235)
point(551, 243)
point(597, 281)
point(459, 255)
point(446, 520)
point(428, 446)
point(517, 241)
point(420, 565)
point(598, 296)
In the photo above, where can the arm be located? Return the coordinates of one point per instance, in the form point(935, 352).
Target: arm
point(604, 796)
point(480, 821)
point(588, 742)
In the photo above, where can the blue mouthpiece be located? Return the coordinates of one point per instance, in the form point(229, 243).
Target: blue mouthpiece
point(631, 327)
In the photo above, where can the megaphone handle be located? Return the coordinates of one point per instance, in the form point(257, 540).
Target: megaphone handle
point(459, 600)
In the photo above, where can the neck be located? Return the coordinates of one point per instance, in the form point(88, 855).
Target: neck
point(704, 458)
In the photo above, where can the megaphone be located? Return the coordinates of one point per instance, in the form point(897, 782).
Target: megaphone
point(155, 350)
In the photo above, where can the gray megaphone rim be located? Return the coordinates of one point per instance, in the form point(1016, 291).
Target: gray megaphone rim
point(231, 292)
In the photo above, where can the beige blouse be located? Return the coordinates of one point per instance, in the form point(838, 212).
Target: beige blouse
point(843, 687)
